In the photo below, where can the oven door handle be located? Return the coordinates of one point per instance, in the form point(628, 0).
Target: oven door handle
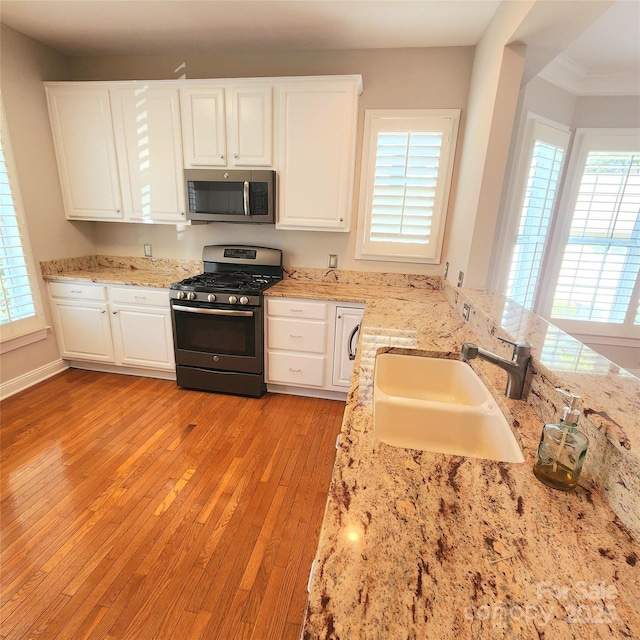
point(245, 198)
point(214, 312)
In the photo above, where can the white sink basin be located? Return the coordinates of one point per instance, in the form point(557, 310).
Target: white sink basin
point(439, 405)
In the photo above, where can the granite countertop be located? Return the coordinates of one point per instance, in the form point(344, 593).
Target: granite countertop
point(421, 545)
point(141, 272)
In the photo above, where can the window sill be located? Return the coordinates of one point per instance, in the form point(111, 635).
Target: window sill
point(22, 341)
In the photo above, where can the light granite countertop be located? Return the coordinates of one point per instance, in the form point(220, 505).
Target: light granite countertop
point(420, 545)
point(141, 272)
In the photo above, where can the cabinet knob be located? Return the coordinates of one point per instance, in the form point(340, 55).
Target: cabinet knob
point(182, 213)
point(114, 312)
point(221, 156)
point(235, 155)
point(103, 311)
point(117, 210)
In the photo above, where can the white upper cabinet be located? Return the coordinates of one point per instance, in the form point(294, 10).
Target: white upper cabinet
point(251, 126)
point(122, 147)
point(318, 122)
point(85, 151)
point(146, 123)
point(227, 126)
point(204, 128)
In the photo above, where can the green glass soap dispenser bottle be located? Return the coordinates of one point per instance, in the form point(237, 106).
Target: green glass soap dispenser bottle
point(562, 449)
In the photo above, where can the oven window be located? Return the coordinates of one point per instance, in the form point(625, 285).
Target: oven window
point(217, 197)
point(225, 335)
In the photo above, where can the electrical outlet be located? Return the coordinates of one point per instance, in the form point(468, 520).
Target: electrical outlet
point(147, 251)
point(446, 269)
point(466, 310)
point(333, 261)
point(460, 278)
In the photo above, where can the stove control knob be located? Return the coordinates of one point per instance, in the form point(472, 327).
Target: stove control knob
point(191, 295)
point(181, 295)
point(233, 299)
point(244, 300)
point(211, 297)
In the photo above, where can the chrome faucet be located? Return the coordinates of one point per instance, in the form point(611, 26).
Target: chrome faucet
point(516, 368)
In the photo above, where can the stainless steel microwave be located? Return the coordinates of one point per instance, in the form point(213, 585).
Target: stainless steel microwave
point(219, 195)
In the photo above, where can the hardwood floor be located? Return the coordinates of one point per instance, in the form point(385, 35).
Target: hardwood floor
point(134, 509)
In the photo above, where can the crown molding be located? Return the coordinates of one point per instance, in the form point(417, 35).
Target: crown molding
point(571, 76)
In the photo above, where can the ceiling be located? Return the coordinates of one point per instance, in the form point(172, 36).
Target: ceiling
point(609, 47)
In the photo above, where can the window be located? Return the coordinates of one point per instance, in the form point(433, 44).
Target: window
point(595, 254)
point(407, 164)
point(540, 169)
point(20, 309)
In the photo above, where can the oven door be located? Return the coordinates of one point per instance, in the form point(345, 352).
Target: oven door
point(218, 337)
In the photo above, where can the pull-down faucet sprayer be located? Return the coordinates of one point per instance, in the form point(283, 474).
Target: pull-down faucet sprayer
point(516, 368)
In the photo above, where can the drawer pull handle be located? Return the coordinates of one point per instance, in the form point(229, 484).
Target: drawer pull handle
point(350, 350)
point(295, 370)
point(296, 310)
point(294, 337)
point(76, 290)
point(140, 297)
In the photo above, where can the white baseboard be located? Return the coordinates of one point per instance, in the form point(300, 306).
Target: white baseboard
point(307, 392)
point(27, 380)
point(169, 374)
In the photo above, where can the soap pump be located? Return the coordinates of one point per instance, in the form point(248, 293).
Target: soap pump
point(562, 449)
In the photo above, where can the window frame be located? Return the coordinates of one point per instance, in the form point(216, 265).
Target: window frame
point(16, 334)
point(376, 121)
point(585, 141)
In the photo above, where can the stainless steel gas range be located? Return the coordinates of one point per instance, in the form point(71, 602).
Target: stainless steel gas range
point(218, 320)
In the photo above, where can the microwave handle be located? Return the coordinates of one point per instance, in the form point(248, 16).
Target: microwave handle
point(245, 199)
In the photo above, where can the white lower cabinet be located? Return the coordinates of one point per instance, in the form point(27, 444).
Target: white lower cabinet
point(141, 323)
point(126, 326)
point(306, 345)
point(348, 320)
point(83, 330)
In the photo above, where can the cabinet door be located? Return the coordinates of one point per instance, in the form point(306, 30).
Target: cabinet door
point(317, 155)
point(250, 126)
point(142, 336)
point(85, 151)
point(347, 327)
point(148, 143)
point(83, 330)
point(203, 116)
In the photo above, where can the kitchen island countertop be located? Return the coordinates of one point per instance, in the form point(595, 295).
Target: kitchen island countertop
point(422, 545)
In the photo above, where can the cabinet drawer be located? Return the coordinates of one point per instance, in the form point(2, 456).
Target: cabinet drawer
point(78, 290)
point(296, 335)
point(140, 296)
point(293, 369)
point(297, 309)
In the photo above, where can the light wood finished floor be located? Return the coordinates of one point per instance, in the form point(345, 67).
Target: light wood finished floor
point(134, 509)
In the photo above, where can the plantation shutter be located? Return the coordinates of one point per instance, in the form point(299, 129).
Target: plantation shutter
point(406, 177)
point(601, 259)
point(544, 168)
point(404, 188)
point(20, 312)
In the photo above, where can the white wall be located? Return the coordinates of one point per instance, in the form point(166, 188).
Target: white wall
point(25, 64)
point(493, 96)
